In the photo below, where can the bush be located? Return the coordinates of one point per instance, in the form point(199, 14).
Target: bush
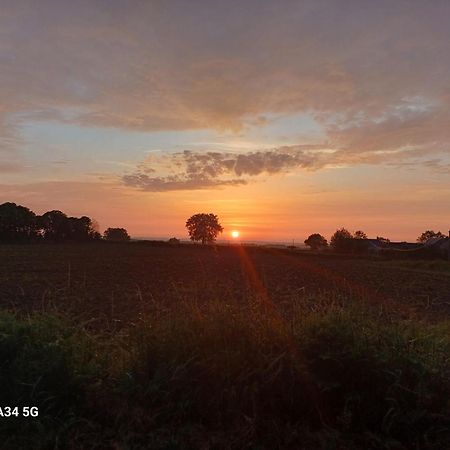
point(342, 240)
point(223, 368)
point(43, 364)
point(316, 241)
point(224, 375)
point(392, 381)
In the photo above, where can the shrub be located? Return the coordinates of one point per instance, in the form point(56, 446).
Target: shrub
point(342, 240)
point(220, 368)
point(390, 380)
point(316, 241)
point(230, 375)
point(43, 364)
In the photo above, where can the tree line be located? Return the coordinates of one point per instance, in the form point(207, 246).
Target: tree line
point(20, 224)
point(343, 240)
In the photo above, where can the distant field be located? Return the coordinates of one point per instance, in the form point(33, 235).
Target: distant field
point(133, 346)
point(119, 281)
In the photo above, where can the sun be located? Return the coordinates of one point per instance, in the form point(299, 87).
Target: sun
point(235, 234)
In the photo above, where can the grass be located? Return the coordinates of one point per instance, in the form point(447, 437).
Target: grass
point(227, 375)
point(44, 364)
point(113, 284)
point(136, 346)
point(436, 265)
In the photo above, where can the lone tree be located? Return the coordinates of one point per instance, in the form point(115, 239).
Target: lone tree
point(203, 227)
point(428, 235)
point(316, 241)
point(116, 234)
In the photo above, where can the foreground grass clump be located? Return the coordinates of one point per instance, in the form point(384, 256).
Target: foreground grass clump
point(223, 375)
point(342, 374)
point(44, 363)
point(388, 381)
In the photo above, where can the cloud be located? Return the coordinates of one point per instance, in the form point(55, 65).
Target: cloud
point(10, 143)
point(176, 183)
point(198, 170)
point(438, 166)
point(193, 170)
point(180, 65)
point(9, 167)
point(396, 128)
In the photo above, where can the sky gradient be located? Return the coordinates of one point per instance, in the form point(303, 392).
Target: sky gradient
point(284, 118)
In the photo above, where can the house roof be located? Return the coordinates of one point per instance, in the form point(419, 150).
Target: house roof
point(437, 240)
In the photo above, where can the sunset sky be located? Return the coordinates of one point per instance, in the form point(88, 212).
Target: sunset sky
point(284, 118)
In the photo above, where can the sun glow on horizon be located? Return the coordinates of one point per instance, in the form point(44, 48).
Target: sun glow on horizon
point(235, 234)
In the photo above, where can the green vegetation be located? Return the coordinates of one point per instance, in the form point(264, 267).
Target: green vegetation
point(46, 364)
point(207, 366)
point(226, 377)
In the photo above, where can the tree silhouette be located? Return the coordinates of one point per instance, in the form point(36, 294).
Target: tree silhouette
point(316, 241)
point(360, 235)
point(116, 234)
point(17, 223)
point(341, 240)
point(82, 229)
point(428, 235)
point(203, 227)
point(54, 225)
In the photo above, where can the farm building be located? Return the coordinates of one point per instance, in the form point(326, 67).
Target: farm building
point(371, 246)
point(438, 246)
point(433, 248)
